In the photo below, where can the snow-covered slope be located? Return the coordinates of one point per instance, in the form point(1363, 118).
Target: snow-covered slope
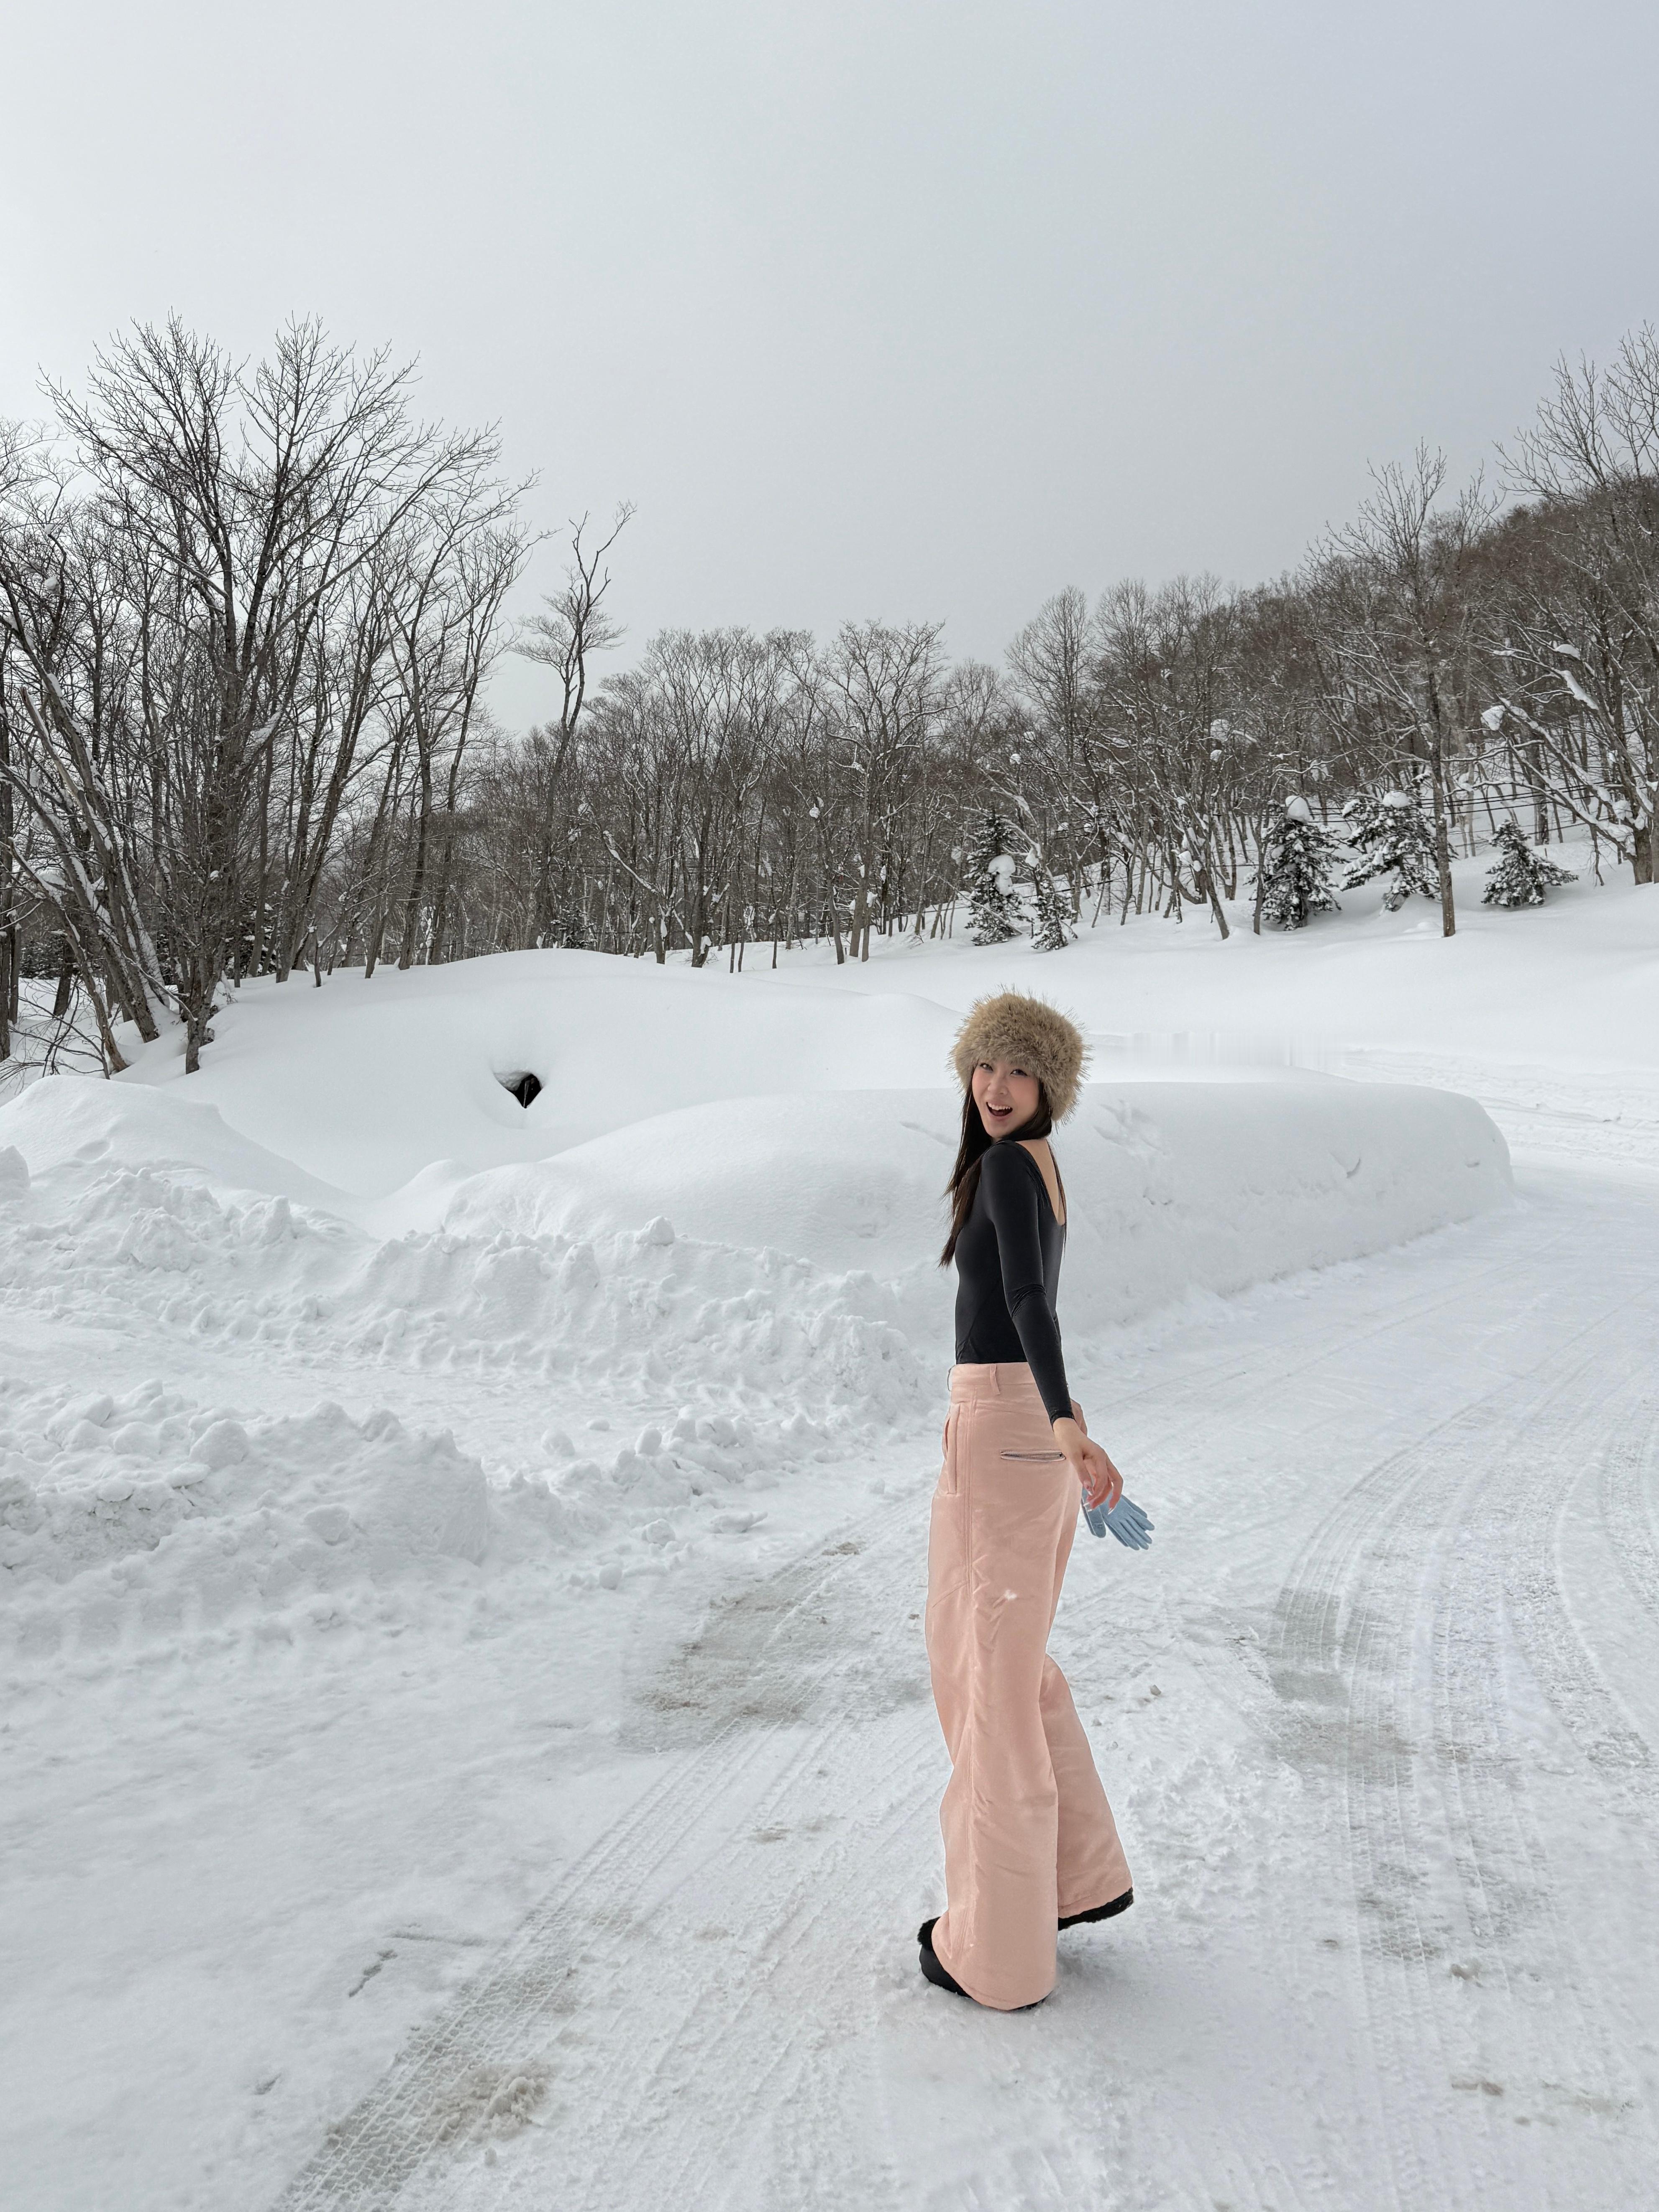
point(1571, 985)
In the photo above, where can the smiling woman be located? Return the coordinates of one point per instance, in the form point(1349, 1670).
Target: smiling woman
point(1030, 1845)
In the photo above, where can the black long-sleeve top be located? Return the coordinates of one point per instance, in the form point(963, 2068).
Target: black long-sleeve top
point(1007, 1261)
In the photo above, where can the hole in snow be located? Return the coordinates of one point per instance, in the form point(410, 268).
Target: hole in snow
point(525, 1087)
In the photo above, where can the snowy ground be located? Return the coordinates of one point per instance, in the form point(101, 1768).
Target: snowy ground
point(465, 1730)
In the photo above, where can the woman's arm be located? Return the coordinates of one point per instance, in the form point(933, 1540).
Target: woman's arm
point(1102, 1483)
point(1008, 1180)
point(1010, 1200)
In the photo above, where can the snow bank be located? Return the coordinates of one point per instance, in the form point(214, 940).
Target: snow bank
point(692, 1304)
point(368, 1084)
point(773, 1257)
point(66, 1121)
point(618, 1309)
point(1175, 1187)
point(1183, 1187)
point(149, 1519)
point(151, 1523)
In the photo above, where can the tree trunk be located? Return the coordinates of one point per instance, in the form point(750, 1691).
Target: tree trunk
point(418, 874)
point(1436, 748)
point(1443, 842)
point(1216, 908)
point(859, 939)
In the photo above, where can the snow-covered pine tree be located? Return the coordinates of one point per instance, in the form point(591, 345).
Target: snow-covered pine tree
point(1052, 930)
point(573, 921)
point(993, 905)
point(1294, 873)
point(1392, 837)
point(1522, 875)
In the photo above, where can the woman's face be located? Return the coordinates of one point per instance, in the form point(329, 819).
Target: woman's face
point(1005, 1096)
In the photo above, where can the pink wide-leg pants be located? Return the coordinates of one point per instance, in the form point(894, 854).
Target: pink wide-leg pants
point(1029, 1836)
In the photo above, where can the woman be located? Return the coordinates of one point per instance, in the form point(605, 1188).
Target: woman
point(1029, 1842)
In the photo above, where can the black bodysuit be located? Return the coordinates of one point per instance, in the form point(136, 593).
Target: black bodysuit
point(1008, 1270)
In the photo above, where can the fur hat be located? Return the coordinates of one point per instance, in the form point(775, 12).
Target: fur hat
point(1035, 1036)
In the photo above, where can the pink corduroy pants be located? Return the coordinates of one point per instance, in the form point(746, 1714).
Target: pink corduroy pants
point(1029, 1836)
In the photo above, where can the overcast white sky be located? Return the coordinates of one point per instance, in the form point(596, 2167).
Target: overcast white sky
point(903, 310)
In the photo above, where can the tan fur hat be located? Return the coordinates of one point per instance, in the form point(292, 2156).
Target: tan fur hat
point(1035, 1036)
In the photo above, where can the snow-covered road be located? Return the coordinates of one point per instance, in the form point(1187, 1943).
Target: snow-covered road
point(541, 1814)
point(1380, 1713)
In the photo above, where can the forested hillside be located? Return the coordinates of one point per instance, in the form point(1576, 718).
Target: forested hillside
point(248, 617)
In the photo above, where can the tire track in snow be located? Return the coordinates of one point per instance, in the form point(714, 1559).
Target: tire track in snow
point(731, 2062)
point(1461, 1789)
point(1603, 1733)
point(1627, 1485)
point(520, 2006)
point(1341, 1636)
point(1511, 1883)
point(1341, 1657)
point(1310, 1622)
point(531, 1993)
point(724, 2086)
point(1352, 1611)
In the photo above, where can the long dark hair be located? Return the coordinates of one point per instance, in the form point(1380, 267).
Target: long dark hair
point(977, 1141)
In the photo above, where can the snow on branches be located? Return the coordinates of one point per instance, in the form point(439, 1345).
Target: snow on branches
point(1293, 879)
point(1052, 931)
point(1392, 837)
point(994, 909)
point(1521, 876)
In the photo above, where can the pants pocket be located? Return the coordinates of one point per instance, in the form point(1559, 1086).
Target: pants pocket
point(948, 1473)
point(1049, 1455)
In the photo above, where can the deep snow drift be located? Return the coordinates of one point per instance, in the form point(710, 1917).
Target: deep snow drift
point(458, 1570)
point(757, 1275)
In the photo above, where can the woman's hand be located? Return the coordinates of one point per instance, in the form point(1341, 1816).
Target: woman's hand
point(1102, 1483)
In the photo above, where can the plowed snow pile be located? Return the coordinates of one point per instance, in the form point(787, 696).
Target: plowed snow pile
point(148, 1517)
point(735, 1283)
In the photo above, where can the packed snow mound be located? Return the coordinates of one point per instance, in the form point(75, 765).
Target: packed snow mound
point(1177, 1188)
point(851, 1179)
point(1173, 1187)
point(633, 1315)
point(367, 1085)
point(774, 1257)
point(65, 1120)
point(148, 1521)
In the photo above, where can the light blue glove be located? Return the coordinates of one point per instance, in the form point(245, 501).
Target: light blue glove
point(1126, 1520)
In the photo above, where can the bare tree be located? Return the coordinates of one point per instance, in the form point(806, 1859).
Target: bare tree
point(1398, 594)
point(1577, 671)
point(574, 624)
point(196, 614)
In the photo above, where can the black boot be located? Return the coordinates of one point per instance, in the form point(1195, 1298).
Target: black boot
point(933, 1967)
point(1101, 1912)
point(930, 1965)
